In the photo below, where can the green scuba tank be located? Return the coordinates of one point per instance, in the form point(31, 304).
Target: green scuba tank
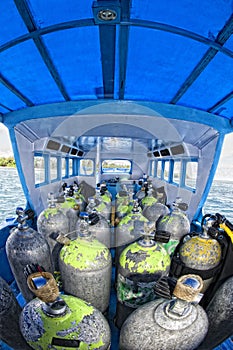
point(141, 264)
point(53, 321)
point(103, 203)
point(130, 227)
point(71, 208)
point(85, 265)
point(149, 198)
point(123, 204)
point(104, 189)
point(156, 210)
point(51, 220)
point(178, 323)
point(176, 223)
point(198, 253)
point(79, 198)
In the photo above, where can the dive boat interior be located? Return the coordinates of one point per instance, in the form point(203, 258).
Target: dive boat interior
point(133, 95)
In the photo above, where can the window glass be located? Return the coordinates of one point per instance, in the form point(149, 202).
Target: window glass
point(86, 167)
point(63, 167)
point(70, 167)
point(191, 174)
point(116, 143)
point(39, 169)
point(116, 166)
point(53, 168)
point(159, 169)
point(166, 170)
point(177, 172)
point(152, 168)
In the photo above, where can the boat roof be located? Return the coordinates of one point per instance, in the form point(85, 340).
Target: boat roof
point(175, 53)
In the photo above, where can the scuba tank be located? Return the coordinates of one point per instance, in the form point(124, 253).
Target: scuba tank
point(52, 220)
point(143, 190)
point(156, 210)
point(124, 204)
point(70, 207)
point(24, 246)
point(220, 315)
point(175, 223)
point(53, 321)
point(79, 198)
point(103, 204)
point(98, 225)
point(177, 324)
point(218, 299)
point(141, 264)
point(199, 253)
point(104, 189)
point(149, 198)
point(130, 227)
point(9, 319)
point(85, 265)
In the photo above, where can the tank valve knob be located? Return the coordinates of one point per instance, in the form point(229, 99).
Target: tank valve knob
point(23, 216)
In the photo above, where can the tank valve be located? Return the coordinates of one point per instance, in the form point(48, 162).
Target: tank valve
point(187, 291)
point(44, 286)
point(23, 216)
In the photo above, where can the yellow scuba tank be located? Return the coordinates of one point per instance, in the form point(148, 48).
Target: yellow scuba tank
point(198, 253)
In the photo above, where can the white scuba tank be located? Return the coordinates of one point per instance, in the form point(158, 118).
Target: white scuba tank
point(177, 324)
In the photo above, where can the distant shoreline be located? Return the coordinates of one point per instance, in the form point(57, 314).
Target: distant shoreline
point(7, 162)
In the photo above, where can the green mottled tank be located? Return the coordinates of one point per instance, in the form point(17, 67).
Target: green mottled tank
point(85, 265)
point(140, 266)
point(80, 326)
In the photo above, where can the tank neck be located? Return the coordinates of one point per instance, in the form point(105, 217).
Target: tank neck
point(57, 308)
point(146, 240)
point(84, 231)
point(51, 200)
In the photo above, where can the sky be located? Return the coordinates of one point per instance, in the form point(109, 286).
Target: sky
point(224, 171)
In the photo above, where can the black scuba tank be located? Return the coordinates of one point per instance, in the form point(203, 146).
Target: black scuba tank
point(9, 319)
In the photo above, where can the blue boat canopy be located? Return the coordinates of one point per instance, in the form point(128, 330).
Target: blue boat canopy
point(159, 72)
point(172, 52)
